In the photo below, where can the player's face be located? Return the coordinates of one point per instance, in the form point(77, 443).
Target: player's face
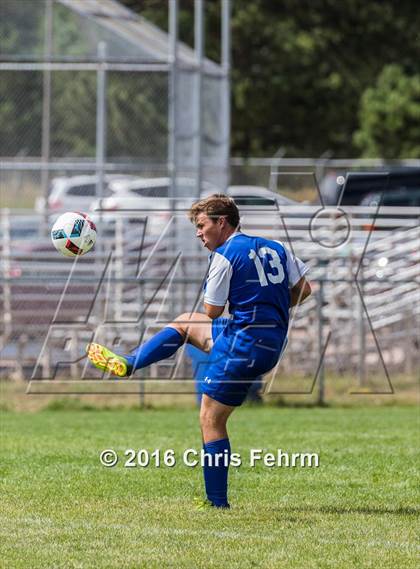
point(210, 231)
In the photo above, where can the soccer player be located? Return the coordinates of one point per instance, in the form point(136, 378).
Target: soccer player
point(261, 280)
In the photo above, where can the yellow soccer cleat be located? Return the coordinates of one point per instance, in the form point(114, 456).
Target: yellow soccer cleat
point(104, 359)
point(201, 505)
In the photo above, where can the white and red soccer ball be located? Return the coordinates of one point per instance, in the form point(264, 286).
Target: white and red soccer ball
point(73, 234)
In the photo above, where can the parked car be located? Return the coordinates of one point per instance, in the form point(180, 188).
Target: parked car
point(149, 194)
point(153, 194)
point(355, 186)
point(261, 209)
point(74, 192)
point(135, 198)
point(251, 196)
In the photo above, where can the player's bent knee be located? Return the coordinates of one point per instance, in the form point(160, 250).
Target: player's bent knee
point(182, 322)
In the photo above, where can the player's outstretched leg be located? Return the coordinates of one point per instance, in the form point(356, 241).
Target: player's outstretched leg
point(161, 346)
point(192, 327)
point(216, 445)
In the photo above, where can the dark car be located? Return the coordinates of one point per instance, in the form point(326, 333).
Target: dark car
point(401, 183)
point(402, 197)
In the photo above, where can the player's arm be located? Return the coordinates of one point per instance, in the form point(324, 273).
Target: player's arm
point(300, 291)
point(299, 287)
point(217, 286)
point(213, 311)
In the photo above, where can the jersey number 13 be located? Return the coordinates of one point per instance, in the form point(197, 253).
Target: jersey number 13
point(276, 277)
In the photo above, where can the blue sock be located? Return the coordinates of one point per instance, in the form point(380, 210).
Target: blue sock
point(216, 476)
point(160, 346)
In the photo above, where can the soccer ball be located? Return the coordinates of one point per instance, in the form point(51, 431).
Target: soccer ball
point(73, 234)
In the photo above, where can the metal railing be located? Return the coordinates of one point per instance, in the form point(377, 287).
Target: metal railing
point(127, 291)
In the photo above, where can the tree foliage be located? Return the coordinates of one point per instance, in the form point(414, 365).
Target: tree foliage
point(390, 116)
point(309, 76)
point(300, 68)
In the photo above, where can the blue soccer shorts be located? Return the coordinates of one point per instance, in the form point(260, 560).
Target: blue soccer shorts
point(239, 355)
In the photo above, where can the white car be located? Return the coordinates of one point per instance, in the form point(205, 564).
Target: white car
point(74, 192)
point(146, 201)
point(257, 196)
point(255, 203)
point(149, 194)
point(153, 194)
point(134, 198)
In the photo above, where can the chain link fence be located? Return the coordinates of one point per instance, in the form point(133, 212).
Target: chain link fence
point(89, 87)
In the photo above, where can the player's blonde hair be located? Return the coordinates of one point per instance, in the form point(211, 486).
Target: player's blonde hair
point(215, 206)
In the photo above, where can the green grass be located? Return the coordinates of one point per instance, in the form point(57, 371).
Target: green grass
point(61, 508)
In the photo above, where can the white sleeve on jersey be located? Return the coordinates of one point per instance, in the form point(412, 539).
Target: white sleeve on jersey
point(296, 268)
point(218, 281)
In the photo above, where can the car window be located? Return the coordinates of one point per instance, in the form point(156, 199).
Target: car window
point(155, 192)
point(404, 197)
point(395, 199)
point(83, 190)
point(161, 191)
point(415, 197)
point(253, 200)
point(409, 197)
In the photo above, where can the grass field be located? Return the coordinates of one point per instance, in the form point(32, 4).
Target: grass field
point(63, 509)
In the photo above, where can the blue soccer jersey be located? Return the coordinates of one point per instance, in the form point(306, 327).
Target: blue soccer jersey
point(254, 275)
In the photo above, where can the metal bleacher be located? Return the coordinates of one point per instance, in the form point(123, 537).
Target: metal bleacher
point(133, 283)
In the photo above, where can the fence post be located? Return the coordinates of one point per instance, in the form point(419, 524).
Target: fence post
point(100, 160)
point(7, 292)
point(46, 112)
point(101, 126)
point(74, 368)
point(21, 344)
point(46, 362)
point(411, 332)
point(173, 104)
point(225, 109)
point(119, 269)
point(362, 335)
point(321, 374)
point(142, 395)
point(198, 92)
